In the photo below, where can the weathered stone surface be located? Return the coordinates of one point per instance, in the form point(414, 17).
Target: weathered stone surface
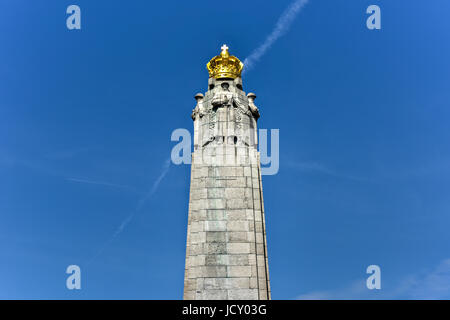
point(236, 203)
point(238, 260)
point(216, 203)
point(212, 295)
point(226, 283)
point(216, 225)
point(216, 236)
point(238, 225)
point(239, 214)
point(237, 236)
point(243, 294)
point(215, 248)
point(217, 259)
point(212, 215)
point(226, 250)
point(238, 248)
point(239, 271)
point(216, 193)
point(234, 193)
point(198, 237)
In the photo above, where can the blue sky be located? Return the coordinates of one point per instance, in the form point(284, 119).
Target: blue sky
point(85, 124)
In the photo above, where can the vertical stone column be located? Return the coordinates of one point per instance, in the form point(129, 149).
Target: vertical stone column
point(226, 251)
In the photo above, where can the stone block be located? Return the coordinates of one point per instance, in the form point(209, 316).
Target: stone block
point(196, 248)
point(200, 172)
point(239, 271)
point(261, 272)
point(226, 171)
point(196, 226)
point(212, 271)
point(259, 248)
point(198, 193)
point(238, 260)
point(236, 203)
point(190, 284)
point(212, 171)
point(199, 283)
point(248, 203)
point(262, 284)
point(253, 283)
point(258, 215)
point(237, 236)
point(243, 294)
point(218, 214)
point(238, 248)
point(189, 295)
point(237, 182)
point(252, 259)
point(249, 193)
point(254, 271)
point(216, 259)
point(215, 183)
point(226, 283)
point(197, 204)
point(212, 295)
point(197, 237)
point(257, 205)
point(216, 236)
point(195, 261)
point(258, 226)
point(215, 248)
point(198, 215)
point(237, 214)
point(216, 193)
point(256, 193)
point(235, 193)
point(263, 295)
point(192, 273)
point(250, 214)
point(216, 204)
point(216, 225)
point(261, 259)
point(239, 171)
point(259, 237)
point(238, 225)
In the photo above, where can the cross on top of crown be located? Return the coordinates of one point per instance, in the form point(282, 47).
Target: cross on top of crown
point(224, 47)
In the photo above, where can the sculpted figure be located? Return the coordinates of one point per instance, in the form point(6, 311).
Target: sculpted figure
point(199, 109)
point(251, 105)
point(224, 97)
point(224, 101)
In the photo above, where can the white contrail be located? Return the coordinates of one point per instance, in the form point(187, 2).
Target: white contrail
point(281, 27)
point(143, 199)
point(155, 185)
point(139, 206)
point(99, 183)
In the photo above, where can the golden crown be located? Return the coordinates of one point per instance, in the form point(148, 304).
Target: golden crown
point(224, 65)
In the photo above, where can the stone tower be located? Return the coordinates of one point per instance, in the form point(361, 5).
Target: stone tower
point(226, 252)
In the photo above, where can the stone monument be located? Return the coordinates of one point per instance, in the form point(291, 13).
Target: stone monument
point(226, 251)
